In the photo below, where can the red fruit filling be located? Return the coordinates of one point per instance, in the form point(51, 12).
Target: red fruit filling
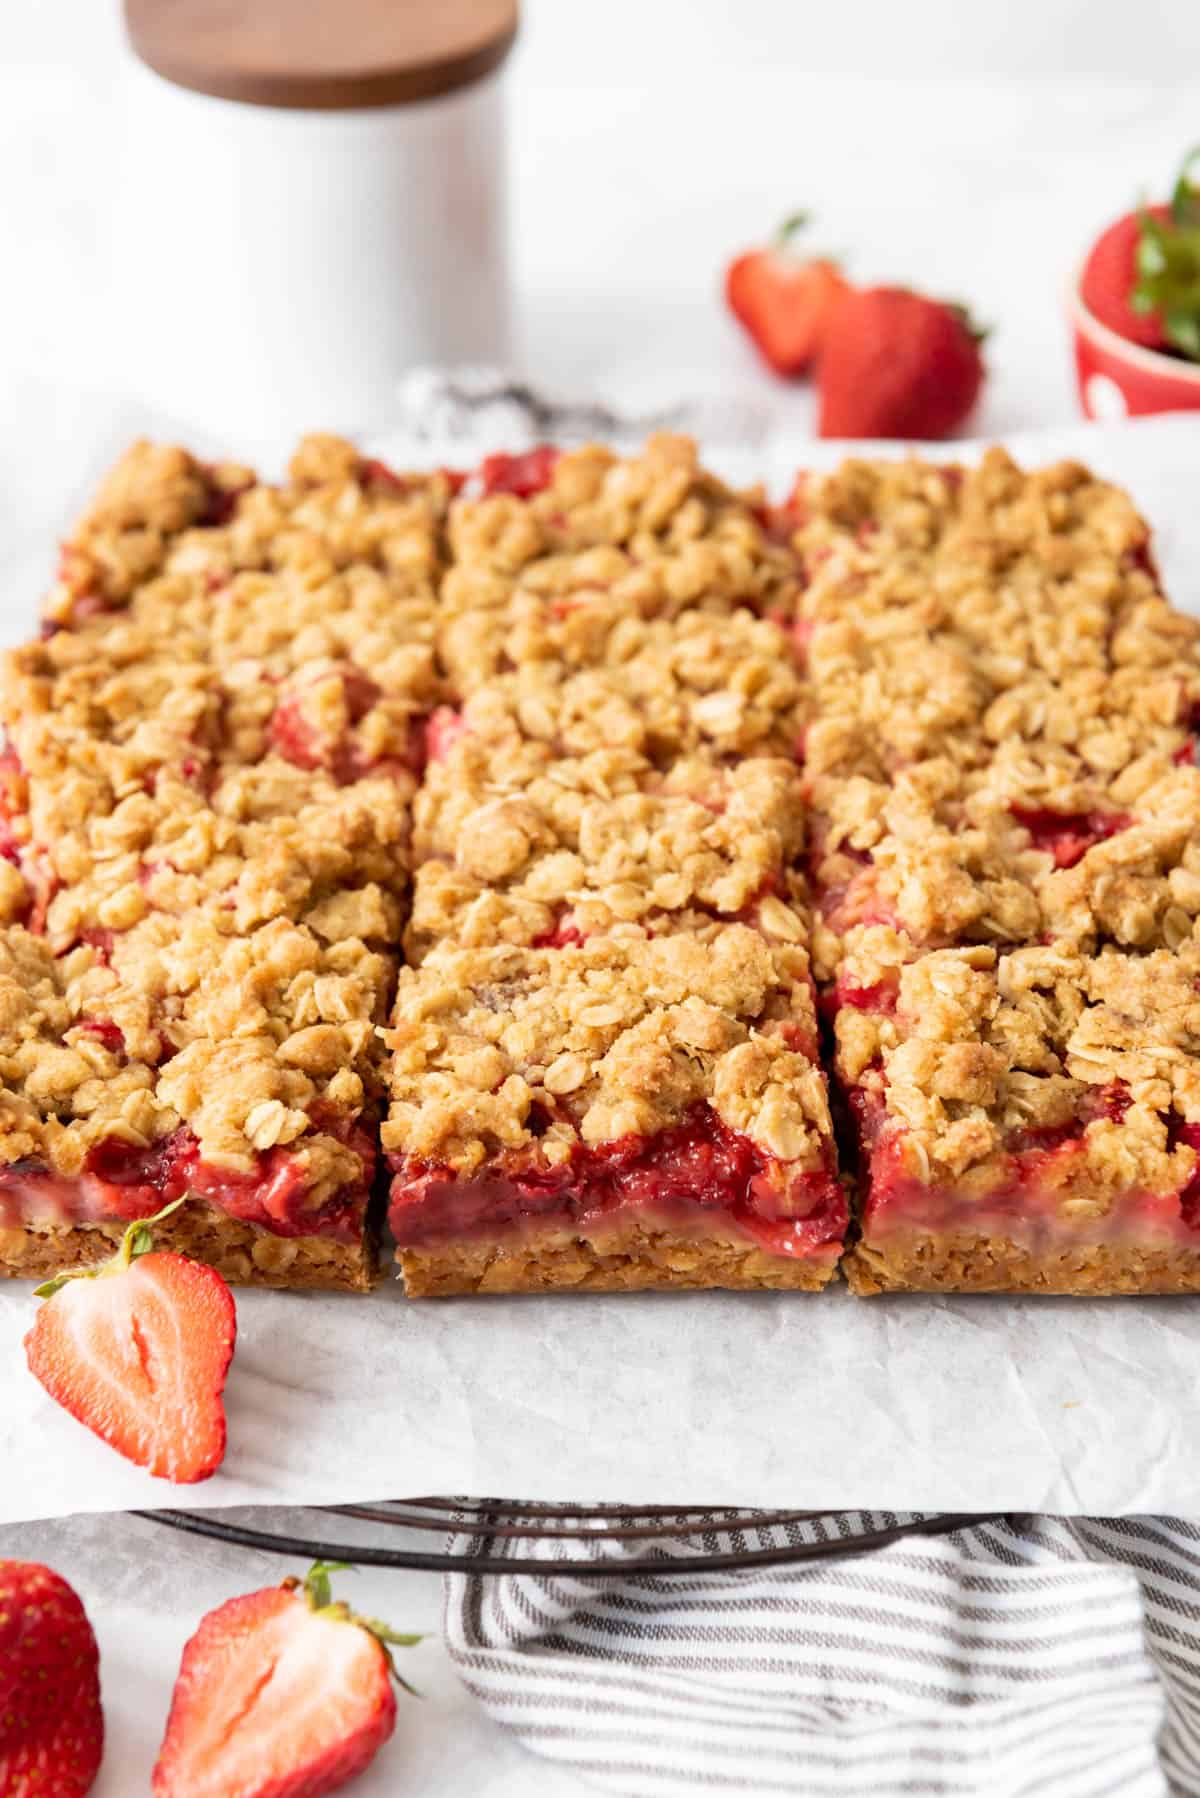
point(101, 940)
point(803, 631)
point(10, 846)
point(697, 1173)
point(342, 757)
point(110, 1034)
point(800, 1039)
point(1034, 1176)
point(1068, 836)
point(121, 1181)
point(563, 934)
point(522, 475)
point(443, 728)
point(373, 473)
point(1189, 1197)
point(12, 800)
point(1143, 558)
point(222, 503)
point(880, 996)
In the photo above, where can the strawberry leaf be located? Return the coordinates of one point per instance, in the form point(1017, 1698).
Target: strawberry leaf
point(139, 1237)
point(137, 1240)
point(1167, 264)
point(383, 1634)
point(1185, 196)
point(319, 1593)
point(48, 1288)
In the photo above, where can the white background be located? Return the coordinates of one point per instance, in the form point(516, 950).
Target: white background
point(966, 147)
point(970, 148)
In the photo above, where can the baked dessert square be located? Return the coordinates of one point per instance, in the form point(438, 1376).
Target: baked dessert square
point(546, 823)
point(206, 795)
point(564, 561)
point(631, 1111)
point(1028, 1121)
point(186, 1062)
point(1004, 832)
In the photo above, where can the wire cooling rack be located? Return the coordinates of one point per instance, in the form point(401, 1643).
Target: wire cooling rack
point(494, 1536)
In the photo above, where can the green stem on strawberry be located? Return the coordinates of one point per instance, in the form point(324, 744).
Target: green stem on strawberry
point(321, 1602)
point(1185, 196)
point(793, 224)
point(137, 1240)
point(1167, 263)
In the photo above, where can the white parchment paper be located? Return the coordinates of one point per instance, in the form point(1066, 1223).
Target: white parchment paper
point(1060, 1405)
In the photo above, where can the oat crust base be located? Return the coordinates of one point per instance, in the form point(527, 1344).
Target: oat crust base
point(635, 1260)
point(966, 1263)
point(244, 1254)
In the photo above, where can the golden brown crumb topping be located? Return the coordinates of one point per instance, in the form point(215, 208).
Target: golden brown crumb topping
point(517, 838)
point(496, 1050)
point(988, 1049)
point(950, 611)
point(568, 576)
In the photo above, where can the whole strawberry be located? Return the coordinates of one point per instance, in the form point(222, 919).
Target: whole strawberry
point(281, 1694)
point(896, 364)
point(51, 1724)
point(138, 1349)
point(1110, 279)
point(784, 299)
point(1142, 276)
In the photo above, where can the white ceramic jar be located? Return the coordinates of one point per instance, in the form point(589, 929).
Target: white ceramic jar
point(305, 215)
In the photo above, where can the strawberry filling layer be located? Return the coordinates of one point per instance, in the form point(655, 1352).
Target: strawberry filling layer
point(1022, 1193)
point(119, 1182)
point(697, 1178)
point(1068, 836)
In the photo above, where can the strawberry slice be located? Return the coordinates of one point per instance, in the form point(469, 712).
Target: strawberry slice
point(280, 1694)
point(785, 301)
point(51, 1723)
point(138, 1349)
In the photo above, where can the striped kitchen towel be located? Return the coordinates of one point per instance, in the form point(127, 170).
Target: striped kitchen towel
point(1035, 1656)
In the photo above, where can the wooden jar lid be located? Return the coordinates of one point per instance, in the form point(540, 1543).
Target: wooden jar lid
point(322, 54)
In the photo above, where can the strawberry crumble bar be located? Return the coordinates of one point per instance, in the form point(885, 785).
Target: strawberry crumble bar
point(630, 1111)
point(1005, 847)
point(511, 831)
point(212, 753)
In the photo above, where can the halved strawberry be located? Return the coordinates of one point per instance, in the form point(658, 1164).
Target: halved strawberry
point(138, 1349)
point(51, 1724)
point(280, 1694)
point(785, 300)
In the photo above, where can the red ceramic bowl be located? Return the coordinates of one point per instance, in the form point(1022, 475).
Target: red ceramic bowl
point(1119, 379)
